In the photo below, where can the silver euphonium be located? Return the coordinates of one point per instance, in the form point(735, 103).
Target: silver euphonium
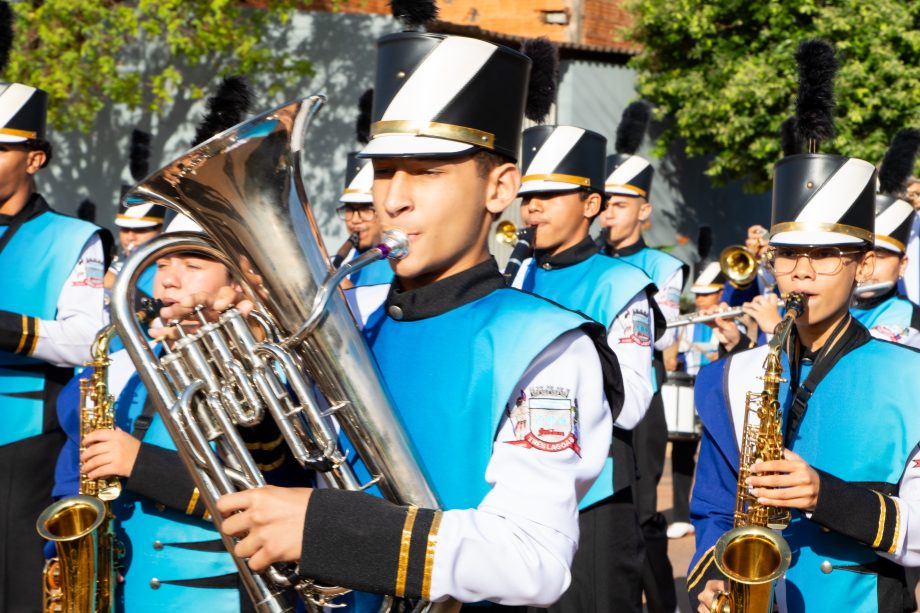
point(244, 188)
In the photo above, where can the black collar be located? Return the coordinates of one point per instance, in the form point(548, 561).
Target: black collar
point(873, 301)
point(34, 207)
point(444, 295)
point(633, 249)
point(575, 254)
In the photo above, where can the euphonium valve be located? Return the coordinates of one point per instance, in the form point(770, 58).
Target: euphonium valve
point(738, 265)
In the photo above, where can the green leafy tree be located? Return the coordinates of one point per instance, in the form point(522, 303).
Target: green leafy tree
point(723, 73)
point(88, 53)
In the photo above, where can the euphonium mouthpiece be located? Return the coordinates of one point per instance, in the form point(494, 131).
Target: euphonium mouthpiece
point(395, 245)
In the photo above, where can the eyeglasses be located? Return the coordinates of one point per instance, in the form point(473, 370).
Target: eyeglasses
point(365, 213)
point(823, 260)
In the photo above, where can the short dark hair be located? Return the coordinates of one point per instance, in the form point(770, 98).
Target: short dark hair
point(487, 161)
point(40, 144)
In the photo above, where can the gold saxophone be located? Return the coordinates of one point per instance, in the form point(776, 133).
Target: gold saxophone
point(752, 555)
point(81, 578)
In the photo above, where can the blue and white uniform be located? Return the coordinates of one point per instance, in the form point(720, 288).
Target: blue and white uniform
point(51, 306)
point(174, 557)
point(890, 317)
point(848, 555)
point(512, 432)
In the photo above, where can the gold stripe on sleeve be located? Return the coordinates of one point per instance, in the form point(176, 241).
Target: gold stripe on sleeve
point(881, 522)
point(429, 554)
point(192, 502)
point(403, 569)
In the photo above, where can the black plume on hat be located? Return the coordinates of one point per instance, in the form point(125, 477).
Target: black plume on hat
point(814, 105)
point(544, 77)
point(139, 154)
point(633, 125)
point(704, 242)
point(363, 122)
point(789, 137)
point(87, 210)
point(898, 164)
point(226, 108)
point(6, 34)
point(414, 14)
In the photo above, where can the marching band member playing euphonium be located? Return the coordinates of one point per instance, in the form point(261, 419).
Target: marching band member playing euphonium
point(561, 195)
point(51, 306)
point(512, 429)
point(887, 314)
point(850, 470)
point(174, 558)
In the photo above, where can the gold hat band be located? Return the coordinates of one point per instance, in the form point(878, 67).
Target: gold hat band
point(434, 129)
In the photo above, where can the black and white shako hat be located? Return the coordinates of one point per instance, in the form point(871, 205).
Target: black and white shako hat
point(22, 113)
point(144, 215)
point(441, 96)
point(820, 199)
point(894, 216)
point(710, 280)
point(561, 159)
point(359, 180)
point(629, 174)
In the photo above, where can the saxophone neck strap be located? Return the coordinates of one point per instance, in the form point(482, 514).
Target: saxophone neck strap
point(142, 423)
point(847, 336)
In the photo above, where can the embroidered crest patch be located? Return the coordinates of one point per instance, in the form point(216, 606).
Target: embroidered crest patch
point(894, 334)
point(89, 273)
point(638, 328)
point(545, 420)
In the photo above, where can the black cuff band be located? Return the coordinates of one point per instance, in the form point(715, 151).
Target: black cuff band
point(365, 543)
point(856, 511)
point(18, 333)
point(160, 475)
point(704, 571)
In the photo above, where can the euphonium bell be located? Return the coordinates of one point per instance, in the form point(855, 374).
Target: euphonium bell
point(738, 265)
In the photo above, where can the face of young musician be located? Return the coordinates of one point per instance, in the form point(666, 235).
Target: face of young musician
point(446, 207)
point(623, 217)
point(363, 221)
point(827, 295)
point(562, 219)
point(131, 238)
point(705, 301)
point(179, 276)
point(889, 266)
point(17, 167)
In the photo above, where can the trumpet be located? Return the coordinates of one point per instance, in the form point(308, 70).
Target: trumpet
point(739, 266)
point(697, 317)
point(522, 241)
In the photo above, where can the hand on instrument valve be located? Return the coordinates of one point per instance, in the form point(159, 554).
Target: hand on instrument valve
point(724, 329)
point(756, 241)
point(705, 598)
point(109, 453)
point(793, 484)
point(765, 311)
point(214, 304)
point(269, 521)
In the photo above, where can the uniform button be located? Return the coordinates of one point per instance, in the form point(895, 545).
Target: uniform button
point(154, 584)
point(395, 312)
point(157, 545)
point(161, 507)
point(547, 266)
point(826, 567)
point(823, 529)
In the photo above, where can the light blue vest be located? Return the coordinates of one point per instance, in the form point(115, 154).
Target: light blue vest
point(657, 264)
point(600, 287)
point(895, 313)
point(142, 524)
point(35, 263)
point(451, 376)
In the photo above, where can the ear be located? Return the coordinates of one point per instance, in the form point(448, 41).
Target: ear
point(903, 267)
point(645, 210)
point(503, 184)
point(35, 160)
point(592, 205)
point(865, 267)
